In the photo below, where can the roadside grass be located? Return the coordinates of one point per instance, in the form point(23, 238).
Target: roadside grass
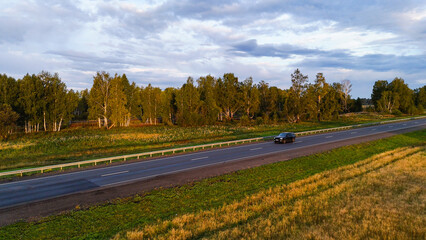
point(70, 145)
point(122, 215)
point(381, 197)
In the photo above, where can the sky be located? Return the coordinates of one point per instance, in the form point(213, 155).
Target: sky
point(165, 42)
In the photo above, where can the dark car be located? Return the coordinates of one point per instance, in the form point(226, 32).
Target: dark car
point(285, 137)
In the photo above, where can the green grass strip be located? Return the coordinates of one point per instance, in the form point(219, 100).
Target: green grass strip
point(106, 220)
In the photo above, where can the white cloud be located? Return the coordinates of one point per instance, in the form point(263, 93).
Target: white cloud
point(163, 42)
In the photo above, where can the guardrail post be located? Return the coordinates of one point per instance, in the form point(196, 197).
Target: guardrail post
point(41, 171)
point(21, 174)
point(110, 161)
point(125, 159)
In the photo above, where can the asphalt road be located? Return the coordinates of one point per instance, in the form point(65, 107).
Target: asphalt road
point(31, 190)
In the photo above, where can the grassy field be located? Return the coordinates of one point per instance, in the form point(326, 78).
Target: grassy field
point(139, 213)
point(39, 149)
point(381, 197)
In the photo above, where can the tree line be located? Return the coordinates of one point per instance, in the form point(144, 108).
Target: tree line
point(42, 102)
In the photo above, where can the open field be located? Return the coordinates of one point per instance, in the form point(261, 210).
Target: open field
point(70, 145)
point(382, 197)
point(151, 208)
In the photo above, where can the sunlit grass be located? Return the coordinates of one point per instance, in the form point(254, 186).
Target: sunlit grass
point(381, 197)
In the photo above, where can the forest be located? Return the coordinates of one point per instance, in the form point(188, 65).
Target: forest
point(42, 102)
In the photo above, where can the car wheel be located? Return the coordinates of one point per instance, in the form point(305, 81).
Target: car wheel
point(293, 140)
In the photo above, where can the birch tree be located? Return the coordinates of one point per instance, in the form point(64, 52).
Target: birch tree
point(30, 100)
point(251, 99)
point(346, 89)
point(99, 98)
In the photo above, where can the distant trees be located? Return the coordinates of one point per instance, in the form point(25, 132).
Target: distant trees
point(43, 102)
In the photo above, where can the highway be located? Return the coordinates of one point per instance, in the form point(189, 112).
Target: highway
point(41, 188)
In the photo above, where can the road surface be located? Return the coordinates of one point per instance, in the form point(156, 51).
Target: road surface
point(31, 190)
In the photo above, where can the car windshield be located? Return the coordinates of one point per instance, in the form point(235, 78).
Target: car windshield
point(283, 134)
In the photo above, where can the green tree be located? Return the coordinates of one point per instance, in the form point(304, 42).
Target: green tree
point(54, 101)
point(251, 98)
point(388, 102)
point(188, 104)
point(168, 105)
point(119, 114)
point(131, 93)
point(30, 100)
point(332, 102)
point(404, 93)
point(8, 90)
point(295, 100)
point(356, 105)
point(379, 87)
point(82, 111)
point(420, 97)
point(151, 103)
point(8, 119)
point(99, 98)
point(232, 100)
point(317, 92)
point(208, 107)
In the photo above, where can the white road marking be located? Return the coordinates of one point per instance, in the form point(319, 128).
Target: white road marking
point(109, 174)
point(353, 132)
point(161, 159)
point(374, 129)
point(329, 137)
point(404, 124)
point(255, 149)
point(199, 158)
point(138, 179)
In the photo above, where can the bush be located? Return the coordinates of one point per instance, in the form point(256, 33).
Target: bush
point(245, 121)
point(397, 113)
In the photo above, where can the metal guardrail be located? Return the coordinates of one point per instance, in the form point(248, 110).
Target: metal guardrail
point(183, 149)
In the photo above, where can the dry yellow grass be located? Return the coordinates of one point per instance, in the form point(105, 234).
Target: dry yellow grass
point(134, 136)
point(7, 145)
point(381, 197)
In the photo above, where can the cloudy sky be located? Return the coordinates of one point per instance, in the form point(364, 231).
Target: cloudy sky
point(164, 42)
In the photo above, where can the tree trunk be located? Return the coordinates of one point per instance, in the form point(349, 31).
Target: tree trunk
point(105, 121)
point(99, 122)
point(44, 121)
point(60, 123)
